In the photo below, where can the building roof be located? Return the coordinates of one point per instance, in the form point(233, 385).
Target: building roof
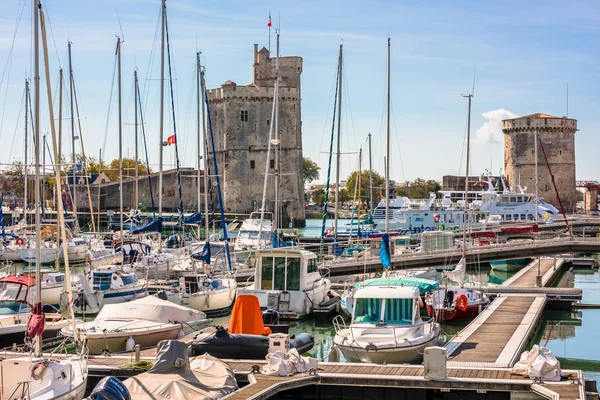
point(538, 115)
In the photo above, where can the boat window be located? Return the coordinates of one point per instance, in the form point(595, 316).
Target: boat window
point(513, 199)
point(279, 273)
point(398, 311)
point(508, 217)
point(530, 217)
point(267, 273)
point(312, 266)
point(516, 217)
point(128, 279)
point(367, 310)
point(12, 291)
point(522, 217)
point(293, 274)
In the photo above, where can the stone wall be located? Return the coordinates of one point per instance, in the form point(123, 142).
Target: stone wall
point(558, 138)
point(241, 119)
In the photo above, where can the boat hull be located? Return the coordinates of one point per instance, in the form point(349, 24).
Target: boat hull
point(396, 355)
point(117, 343)
point(444, 315)
point(212, 302)
point(509, 265)
point(47, 256)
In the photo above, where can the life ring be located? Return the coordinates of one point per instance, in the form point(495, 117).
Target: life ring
point(20, 241)
point(462, 302)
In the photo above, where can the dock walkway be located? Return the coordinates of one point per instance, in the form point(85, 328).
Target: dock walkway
point(550, 267)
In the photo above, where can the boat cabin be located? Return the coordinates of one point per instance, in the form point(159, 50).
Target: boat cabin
point(286, 269)
point(15, 293)
point(386, 305)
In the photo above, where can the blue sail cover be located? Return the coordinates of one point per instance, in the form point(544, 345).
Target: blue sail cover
point(204, 254)
point(384, 251)
point(274, 240)
point(193, 219)
point(154, 225)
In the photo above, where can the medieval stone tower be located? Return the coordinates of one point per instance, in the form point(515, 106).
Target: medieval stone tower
point(558, 137)
point(241, 119)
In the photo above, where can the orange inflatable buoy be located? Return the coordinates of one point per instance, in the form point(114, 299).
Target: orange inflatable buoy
point(462, 302)
point(20, 242)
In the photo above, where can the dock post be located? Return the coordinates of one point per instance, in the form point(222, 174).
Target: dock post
point(137, 352)
point(538, 278)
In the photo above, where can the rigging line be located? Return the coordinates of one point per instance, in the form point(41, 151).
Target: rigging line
point(398, 143)
point(146, 87)
point(462, 152)
point(334, 85)
point(8, 65)
point(17, 126)
point(146, 149)
point(174, 125)
point(349, 105)
point(47, 11)
point(112, 90)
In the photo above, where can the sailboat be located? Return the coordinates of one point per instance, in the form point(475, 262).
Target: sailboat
point(456, 302)
point(35, 376)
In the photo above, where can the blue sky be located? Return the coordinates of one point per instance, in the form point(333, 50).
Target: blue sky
point(525, 54)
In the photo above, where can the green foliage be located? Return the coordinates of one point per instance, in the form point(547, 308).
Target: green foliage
point(378, 182)
point(128, 169)
point(343, 196)
point(310, 171)
point(420, 188)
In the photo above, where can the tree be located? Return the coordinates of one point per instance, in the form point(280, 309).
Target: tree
point(14, 180)
point(310, 171)
point(420, 188)
point(128, 169)
point(378, 182)
point(343, 196)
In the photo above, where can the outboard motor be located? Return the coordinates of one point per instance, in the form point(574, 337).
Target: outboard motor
point(110, 388)
point(270, 317)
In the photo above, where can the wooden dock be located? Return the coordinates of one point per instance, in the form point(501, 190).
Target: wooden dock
point(549, 269)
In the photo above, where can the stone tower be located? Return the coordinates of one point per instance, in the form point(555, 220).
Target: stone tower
point(241, 119)
point(558, 137)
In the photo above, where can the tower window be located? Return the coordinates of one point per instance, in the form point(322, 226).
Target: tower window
point(268, 122)
point(272, 163)
point(252, 164)
point(244, 115)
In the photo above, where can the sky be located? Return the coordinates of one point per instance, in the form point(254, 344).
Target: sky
point(521, 56)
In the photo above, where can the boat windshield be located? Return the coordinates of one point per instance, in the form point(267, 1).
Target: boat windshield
point(367, 310)
point(12, 291)
point(281, 273)
point(254, 235)
point(398, 311)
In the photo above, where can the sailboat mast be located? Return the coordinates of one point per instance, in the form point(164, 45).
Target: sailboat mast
point(370, 177)
point(162, 107)
point(25, 158)
point(118, 53)
point(205, 144)
point(535, 139)
point(73, 159)
point(136, 205)
point(337, 156)
point(277, 137)
point(466, 208)
point(387, 158)
point(36, 146)
point(60, 97)
point(198, 135)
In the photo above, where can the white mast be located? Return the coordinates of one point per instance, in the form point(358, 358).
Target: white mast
point(73, 159)
point(387, 159)
point(277, 137)
point(370, 178)
point(120, 142)
point(337, 157)
point(162, 105)
point(26, 140)
point(36, 128)
point(535, 139)
point(137, 186)
point(199, 136)
point(465, 224)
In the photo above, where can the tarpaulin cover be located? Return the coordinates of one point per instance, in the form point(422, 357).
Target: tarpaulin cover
point(540, 363)
point(154, 225)
point(150, 308)
point(246, 316)
point(384, 251)
point(173, 376)
point(424, 285)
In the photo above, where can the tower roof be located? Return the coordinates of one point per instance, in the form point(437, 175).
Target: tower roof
point(538, 115)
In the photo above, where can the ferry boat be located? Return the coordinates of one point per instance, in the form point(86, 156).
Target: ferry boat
point(289, 281)
point(486, 208)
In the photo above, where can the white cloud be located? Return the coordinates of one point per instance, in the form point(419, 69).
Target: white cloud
point(491, 131)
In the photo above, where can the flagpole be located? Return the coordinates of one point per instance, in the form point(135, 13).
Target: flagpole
point(269, 25)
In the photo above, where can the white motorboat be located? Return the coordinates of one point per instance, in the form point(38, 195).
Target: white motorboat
point(253, 234)
point(288, 280)
point(386, 327)
point(77, 250)
point(213, 294)
point(146, 321)
point(48, 253)
point(106, 285)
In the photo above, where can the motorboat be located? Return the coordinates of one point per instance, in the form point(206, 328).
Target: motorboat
point(17, 294)
point(146, 321)
point(77, 250)
point(450, 303)
point(289, 281)
point(52, 283)
point(424, 286)
point(512, 265)
point(48, 252)
point(246, 337)
point(255, 232)
point(175, 376)
point(106, 285)
point(386, 326)
point(213, 294)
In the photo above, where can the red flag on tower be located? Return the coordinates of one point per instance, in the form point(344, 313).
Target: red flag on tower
point(171, 140)
point(269, 23)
